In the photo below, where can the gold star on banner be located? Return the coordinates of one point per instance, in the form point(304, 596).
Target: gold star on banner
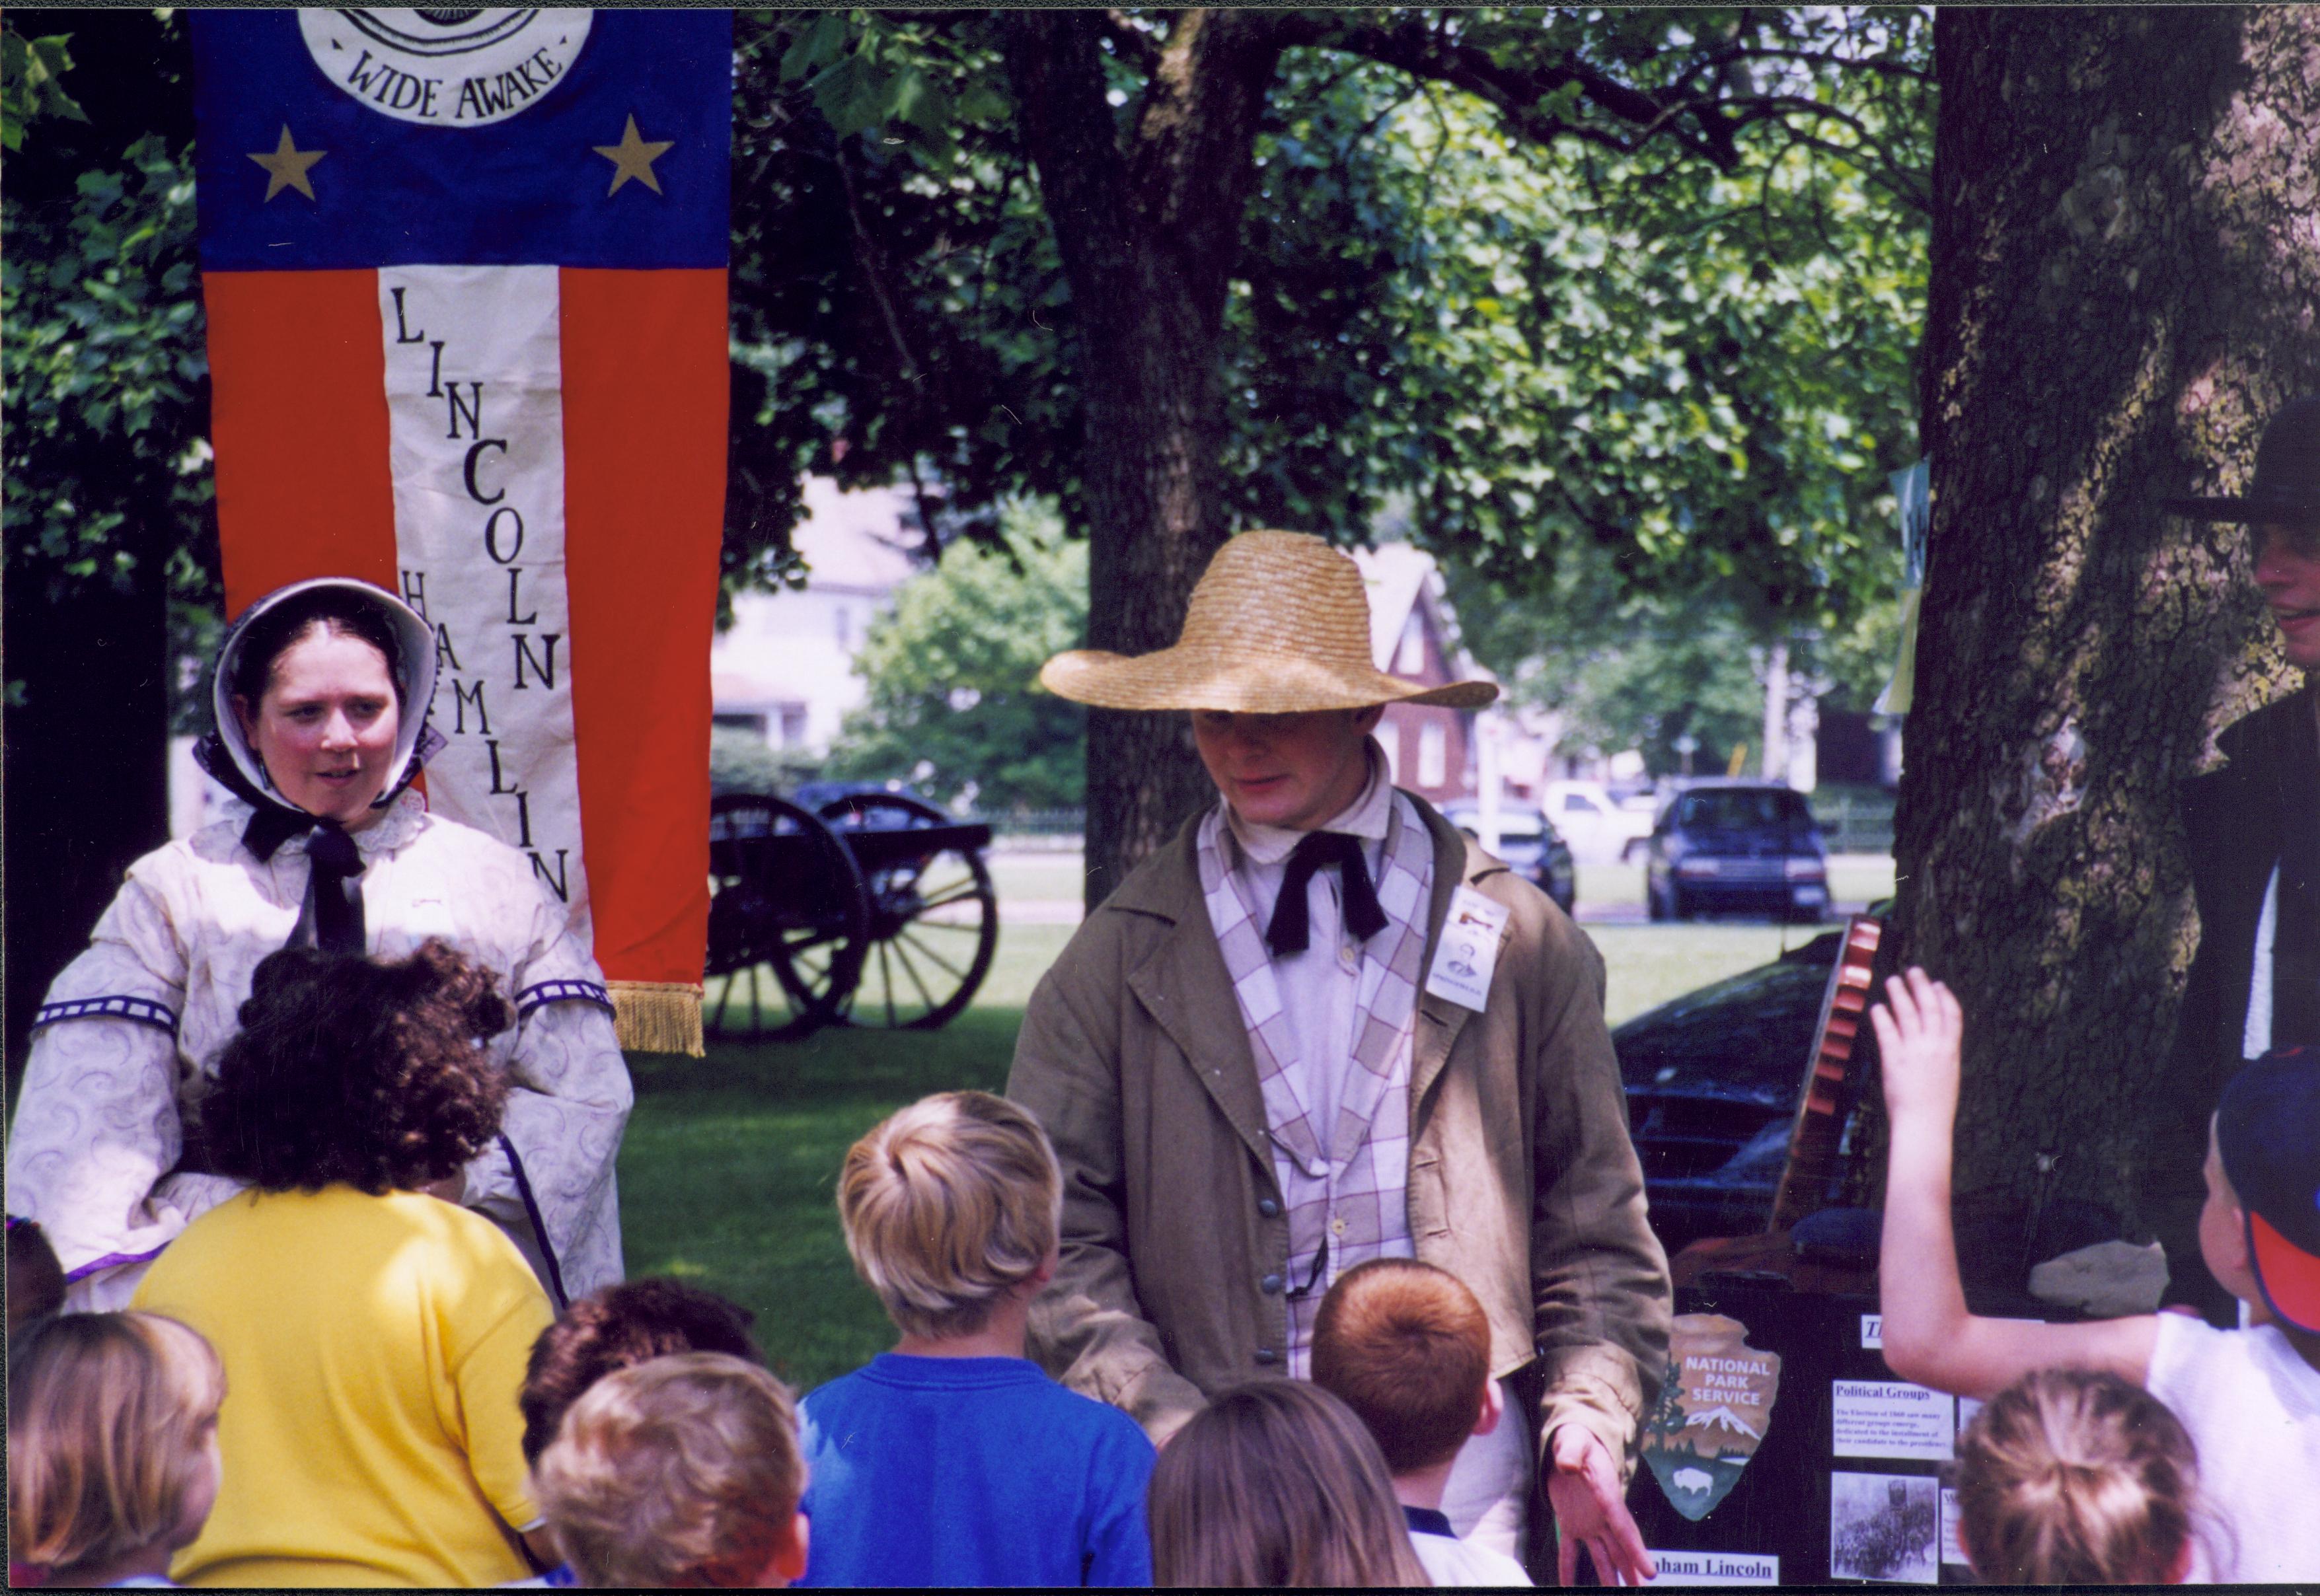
point(633, 156)
point(286, 167)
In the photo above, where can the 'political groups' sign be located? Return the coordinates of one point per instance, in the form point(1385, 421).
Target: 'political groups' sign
point(465, 271)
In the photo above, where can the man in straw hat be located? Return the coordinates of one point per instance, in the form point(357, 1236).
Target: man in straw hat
point(1320, 1027)
point(2252, 831)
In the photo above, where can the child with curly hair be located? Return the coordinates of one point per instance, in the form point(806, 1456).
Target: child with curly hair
point(376, 1334)
point(2075, 1477)
point(112, 1448)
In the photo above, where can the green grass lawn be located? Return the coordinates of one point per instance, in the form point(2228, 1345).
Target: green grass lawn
point(727, 1175)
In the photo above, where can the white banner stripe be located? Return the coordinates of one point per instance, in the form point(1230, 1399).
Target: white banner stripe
point(476, 417)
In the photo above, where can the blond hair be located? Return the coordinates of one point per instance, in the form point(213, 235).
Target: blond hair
point(681, 1470)
point(108, 1417)
point(2074, 1476)
point(1277, 1483)
point(949, 1205)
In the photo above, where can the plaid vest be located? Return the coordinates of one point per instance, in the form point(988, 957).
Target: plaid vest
point(1348, 1196)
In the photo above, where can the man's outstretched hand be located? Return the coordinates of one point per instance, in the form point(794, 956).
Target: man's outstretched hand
point(1591, 1510)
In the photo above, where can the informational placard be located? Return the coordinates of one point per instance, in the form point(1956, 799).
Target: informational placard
point(1892, 1418)
point(1953, 1549)
point(1873, 1332)
point(1884, 1527)
point(1714, 1568)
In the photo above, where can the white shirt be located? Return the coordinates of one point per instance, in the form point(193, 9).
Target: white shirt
point(2251, 1406)
point(1318, 986)
point(1449, 1561)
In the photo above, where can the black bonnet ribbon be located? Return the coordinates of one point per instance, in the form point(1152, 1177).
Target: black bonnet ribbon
point(1364, 916)
point(332, 916)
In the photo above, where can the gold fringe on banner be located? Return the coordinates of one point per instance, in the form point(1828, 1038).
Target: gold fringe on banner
point(658, 1016)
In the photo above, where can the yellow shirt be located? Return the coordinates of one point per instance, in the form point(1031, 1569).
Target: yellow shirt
point(373, 1348)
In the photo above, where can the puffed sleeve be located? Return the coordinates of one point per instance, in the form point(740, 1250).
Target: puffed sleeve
point(96, 1126)
point(567, 1112)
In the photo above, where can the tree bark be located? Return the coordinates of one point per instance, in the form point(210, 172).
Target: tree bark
point(1148, 221)
point(2125, 273)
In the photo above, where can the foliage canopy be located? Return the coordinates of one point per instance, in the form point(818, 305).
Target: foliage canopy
point(953, 705)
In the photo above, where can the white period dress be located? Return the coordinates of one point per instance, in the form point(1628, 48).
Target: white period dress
point(136, 1020)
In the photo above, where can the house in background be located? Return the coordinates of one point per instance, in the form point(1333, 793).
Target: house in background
point(1414, 634)
point(784, 670)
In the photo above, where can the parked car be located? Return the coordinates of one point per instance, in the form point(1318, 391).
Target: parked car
point(1736, 846)
point(1602, 829)
point(1712, 1081)
point(1528, 844)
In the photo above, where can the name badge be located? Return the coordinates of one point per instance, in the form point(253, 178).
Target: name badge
point(1469, 950)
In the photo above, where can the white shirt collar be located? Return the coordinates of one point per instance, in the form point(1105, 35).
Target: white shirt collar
point(1367, 817)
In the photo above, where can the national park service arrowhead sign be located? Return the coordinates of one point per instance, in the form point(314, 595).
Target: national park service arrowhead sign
point(1713, 1412)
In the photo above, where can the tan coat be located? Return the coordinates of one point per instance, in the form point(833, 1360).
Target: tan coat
point(1522, 1180)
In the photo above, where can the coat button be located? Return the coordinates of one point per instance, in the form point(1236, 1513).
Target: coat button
point(1267, 1356)
point(1268, 1207)
point(1271, 1284)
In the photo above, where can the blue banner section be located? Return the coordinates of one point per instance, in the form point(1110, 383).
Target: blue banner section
point(501, 137)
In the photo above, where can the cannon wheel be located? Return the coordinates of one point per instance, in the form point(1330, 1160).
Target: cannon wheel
point(934, 920)
point(789, 922)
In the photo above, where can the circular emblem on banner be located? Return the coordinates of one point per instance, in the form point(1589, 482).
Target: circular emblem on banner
point(443, 66)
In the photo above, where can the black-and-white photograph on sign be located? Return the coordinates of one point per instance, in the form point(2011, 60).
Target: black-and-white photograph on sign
point(1884, 1527)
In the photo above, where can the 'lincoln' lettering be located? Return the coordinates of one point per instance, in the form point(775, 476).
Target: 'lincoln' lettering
point(544, 664)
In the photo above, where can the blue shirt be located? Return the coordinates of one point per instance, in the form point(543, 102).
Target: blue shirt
point(970, 1471)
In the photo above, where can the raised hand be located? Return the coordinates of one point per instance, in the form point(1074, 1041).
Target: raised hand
point(1919, 1030)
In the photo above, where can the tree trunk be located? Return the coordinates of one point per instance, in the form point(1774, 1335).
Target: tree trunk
point(2124, 277)
point(87, 772)
point(1148, 233)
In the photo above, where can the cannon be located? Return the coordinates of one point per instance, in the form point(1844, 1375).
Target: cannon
point(876, 909)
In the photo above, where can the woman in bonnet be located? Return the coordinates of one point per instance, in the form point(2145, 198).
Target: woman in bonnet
point(321, 703)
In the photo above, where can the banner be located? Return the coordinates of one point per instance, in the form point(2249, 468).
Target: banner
point(466, 275)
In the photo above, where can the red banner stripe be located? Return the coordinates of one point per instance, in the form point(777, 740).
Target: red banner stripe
point(645, 399)
point(298, 418)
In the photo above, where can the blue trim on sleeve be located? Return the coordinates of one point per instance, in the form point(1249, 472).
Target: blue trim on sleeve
point(546, 992)
point(117, 1006)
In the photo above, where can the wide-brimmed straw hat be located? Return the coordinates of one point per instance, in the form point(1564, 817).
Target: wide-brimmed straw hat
point(1278, 625)
point(2285, 491)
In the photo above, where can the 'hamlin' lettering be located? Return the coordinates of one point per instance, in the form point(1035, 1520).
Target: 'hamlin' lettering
point(462, 697)
point(498, 778)
point(444, 653)
point(473, 411)
point(414, 590)
point(474, 451)
point(492, 534)
point(523, 819)
point(560, 882)
point(524, 656)
point(524, 620)
point(402, 333)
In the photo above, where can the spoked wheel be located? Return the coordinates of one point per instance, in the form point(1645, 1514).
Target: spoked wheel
point(788, 921)
point(934, 915)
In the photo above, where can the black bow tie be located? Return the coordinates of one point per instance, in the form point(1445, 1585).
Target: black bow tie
point(1364, 916)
